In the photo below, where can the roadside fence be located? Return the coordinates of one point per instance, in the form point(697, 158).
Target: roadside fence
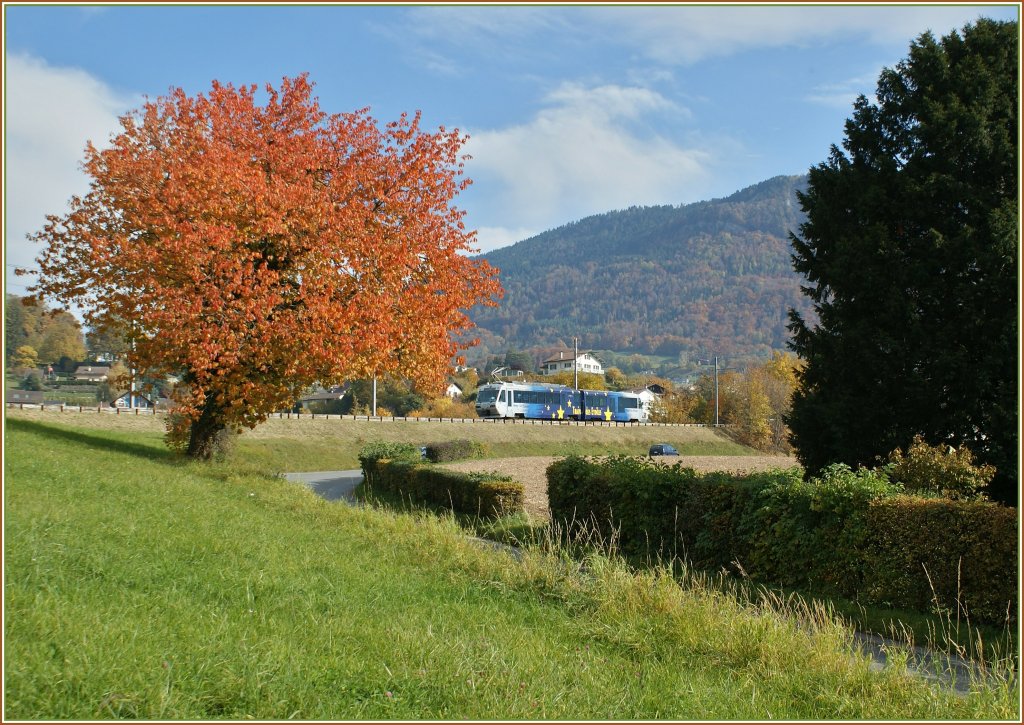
point(107, 410)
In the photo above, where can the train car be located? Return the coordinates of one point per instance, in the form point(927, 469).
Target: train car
point(556, 402)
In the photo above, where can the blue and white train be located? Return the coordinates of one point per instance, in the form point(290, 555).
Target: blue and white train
point(557, 402)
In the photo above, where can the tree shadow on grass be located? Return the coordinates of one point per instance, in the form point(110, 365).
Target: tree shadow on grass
point(94, 440)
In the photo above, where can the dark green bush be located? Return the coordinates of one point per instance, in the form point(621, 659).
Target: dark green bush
point(474, 494)
point(32, 381)
point(456, 450)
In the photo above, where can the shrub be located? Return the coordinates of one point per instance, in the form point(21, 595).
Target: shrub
point(445, 407)
point(371, 453)
point(942, 470)
point(956, 557)
point(813, 533)
point(454, 450)
point(32, 381)
point(475, 494)
point(840, 532)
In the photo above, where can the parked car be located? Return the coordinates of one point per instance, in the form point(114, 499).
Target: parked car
point(662, 449)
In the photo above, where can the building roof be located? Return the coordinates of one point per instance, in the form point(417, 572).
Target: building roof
point(137, 394)
point(92, 371)
point(23, 396)
point(566, 355)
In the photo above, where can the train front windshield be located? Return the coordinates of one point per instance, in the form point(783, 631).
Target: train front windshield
point(486, 397)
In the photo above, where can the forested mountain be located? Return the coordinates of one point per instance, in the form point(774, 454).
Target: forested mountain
point(708, 278)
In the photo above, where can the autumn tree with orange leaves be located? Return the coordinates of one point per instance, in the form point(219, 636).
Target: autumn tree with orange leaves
point(256, 249)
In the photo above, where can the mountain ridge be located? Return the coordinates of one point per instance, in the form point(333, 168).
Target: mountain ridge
point(711, 277)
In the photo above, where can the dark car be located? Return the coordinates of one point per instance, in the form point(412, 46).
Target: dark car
point(662, 449)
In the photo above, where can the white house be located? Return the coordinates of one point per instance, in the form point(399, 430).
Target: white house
point(454, 391)
point(562, 363)
point(646, 396)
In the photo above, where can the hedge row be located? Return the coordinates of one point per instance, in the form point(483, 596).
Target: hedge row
point(393, 469)
point(849, 533)
point(454, 450)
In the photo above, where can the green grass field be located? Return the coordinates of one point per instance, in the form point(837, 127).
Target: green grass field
point(141, 586)
point(311, 444)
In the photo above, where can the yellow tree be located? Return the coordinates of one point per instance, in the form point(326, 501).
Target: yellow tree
point(62, 338)
point(754, 411)
point(257, 249)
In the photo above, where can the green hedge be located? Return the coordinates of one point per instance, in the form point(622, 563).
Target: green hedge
point(933, 553)
point(372, 453)
point(455, 450)
point(848, 533)
point(393, 469)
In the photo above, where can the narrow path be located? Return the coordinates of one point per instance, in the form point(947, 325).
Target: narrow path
point(331, 485)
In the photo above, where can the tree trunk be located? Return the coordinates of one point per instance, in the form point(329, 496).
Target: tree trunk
point(202, 440)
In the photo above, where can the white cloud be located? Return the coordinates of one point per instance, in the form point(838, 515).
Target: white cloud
point(50, 114)
point(588, 151)
point(480, 25)
point(842, 94)
point(490, 238)
point(682, 35)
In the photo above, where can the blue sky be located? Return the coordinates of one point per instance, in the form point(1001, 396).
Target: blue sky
point(571, 110)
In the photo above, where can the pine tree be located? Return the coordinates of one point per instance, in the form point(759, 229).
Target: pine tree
point(910, 252)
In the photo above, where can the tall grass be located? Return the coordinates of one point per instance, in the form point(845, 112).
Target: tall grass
point(138, 586)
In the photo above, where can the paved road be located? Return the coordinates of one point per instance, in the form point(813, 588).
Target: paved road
point(331, 485)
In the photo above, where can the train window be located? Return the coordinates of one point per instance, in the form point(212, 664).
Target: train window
point(487, 396)
point(501, 397)
point(629, 403)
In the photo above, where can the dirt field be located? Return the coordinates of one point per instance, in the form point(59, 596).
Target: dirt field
point(530, 471)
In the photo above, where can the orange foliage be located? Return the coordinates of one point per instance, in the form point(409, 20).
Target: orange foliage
point(260, 248)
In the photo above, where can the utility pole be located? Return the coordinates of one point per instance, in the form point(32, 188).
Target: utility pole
point(716, 391)
point(575, 363)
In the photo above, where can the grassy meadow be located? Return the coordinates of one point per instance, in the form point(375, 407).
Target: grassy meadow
point(323, 444)
point(138, 585)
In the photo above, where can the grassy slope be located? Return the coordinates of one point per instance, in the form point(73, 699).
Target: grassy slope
point(329, 444)
point(139, 586)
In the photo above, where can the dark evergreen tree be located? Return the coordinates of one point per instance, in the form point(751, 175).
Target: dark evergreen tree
point(519, 360)
point(910, 253)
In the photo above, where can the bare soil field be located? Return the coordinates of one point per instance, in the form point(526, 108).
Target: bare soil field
point(530, 471)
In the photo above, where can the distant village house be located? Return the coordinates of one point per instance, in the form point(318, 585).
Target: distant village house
point(563, 362)
point(31, 397)
point(92, 373)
